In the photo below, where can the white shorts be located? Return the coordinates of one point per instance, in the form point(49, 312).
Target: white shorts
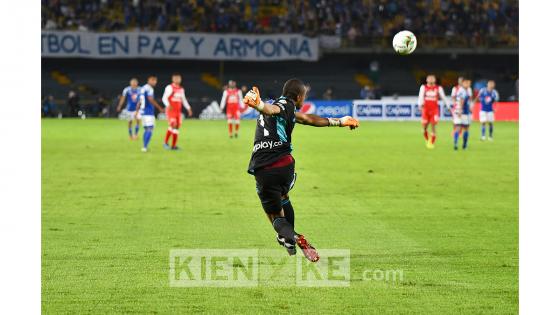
point(461, 119)
point(130, 115)
point(148, 120)
point(486, 116)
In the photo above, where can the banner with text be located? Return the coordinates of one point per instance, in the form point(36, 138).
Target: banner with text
point(170, 45)
point(406, 108)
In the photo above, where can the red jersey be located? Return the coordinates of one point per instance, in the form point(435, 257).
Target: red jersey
point(431, 96)
point(231, 98)
point(174, 98)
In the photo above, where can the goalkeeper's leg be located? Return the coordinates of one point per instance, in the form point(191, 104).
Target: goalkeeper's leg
point(283, 227)
point(272, 185)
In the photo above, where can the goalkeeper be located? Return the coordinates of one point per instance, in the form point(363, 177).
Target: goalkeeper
point(272, 163)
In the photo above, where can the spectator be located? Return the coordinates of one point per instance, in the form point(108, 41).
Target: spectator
point(352, 34)
point(376, 92)
point(329, 94)
point(100, 108)
point(73, 103)
point(49, 107)
point(310, 92)
point(367, 93)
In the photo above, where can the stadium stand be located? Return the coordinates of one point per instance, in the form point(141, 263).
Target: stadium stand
point(443, 23)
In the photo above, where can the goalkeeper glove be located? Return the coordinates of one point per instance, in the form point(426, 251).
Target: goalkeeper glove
point(346, 121)
point(253, 99)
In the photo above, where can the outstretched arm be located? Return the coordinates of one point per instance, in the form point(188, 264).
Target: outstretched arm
point(253, 99)
point(311, 120)
point(317, 121)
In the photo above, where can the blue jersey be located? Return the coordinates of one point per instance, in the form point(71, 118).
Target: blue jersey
point(132, 97)
point(148, 91)
point(464, 95)
point(487, 99)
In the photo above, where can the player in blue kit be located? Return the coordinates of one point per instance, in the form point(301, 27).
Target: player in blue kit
point(487, 96)
point(131, 94)
point(461, 114)
point(147, 108)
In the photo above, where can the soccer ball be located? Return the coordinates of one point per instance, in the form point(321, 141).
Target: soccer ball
point(404, 42)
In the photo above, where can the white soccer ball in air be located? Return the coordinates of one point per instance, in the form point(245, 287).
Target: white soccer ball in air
point(404, 42)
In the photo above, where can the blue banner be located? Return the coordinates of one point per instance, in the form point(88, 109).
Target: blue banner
point(333, 109)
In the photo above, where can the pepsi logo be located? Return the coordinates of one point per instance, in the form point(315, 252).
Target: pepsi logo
point(307, 108)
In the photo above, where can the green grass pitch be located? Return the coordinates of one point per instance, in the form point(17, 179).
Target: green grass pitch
point(448, 220)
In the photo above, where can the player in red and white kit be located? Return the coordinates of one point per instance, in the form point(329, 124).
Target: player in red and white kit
point(233, 98)
point(174, 99)
point(428, 98)
point(454, 92)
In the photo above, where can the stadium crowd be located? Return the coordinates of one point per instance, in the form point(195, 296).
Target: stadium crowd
point(440, 22)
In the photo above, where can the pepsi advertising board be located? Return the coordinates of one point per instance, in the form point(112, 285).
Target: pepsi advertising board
point(333, 109)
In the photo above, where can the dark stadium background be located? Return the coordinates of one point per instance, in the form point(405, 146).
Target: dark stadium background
point(477, 39)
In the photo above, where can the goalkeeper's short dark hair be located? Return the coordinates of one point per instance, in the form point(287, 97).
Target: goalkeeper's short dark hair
point(292, 88)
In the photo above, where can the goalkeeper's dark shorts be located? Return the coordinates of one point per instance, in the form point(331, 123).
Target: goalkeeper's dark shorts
point(272, 184)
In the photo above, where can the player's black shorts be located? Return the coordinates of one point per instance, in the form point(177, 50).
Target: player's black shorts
point(272, 184)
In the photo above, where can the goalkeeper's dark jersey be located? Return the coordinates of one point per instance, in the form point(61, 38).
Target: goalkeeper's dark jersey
point(273, 136)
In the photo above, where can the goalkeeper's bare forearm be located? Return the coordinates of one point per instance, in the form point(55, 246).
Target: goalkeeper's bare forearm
point(312, 120)
point(318, 121)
